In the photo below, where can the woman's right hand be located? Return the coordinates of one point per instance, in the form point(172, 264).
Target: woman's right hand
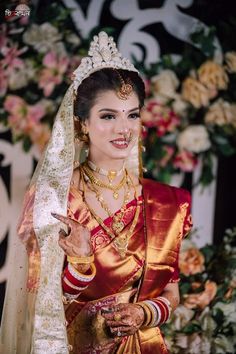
point(77, 242)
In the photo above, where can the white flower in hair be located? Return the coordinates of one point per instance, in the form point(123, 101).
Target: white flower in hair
point(102, 54)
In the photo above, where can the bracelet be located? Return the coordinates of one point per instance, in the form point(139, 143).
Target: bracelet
point(80, 276)
point(156, 313)
point(80, 260)
point(74, 287)
point(147, 312)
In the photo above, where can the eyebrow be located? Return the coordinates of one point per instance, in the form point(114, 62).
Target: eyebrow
point(115, 111)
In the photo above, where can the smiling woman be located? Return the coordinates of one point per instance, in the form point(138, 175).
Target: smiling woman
point(95, 231)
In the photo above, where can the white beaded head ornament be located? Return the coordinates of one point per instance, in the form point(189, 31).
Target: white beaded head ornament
point(102, 54)
point(52, 179)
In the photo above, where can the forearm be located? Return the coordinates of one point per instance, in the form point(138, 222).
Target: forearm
point(158, 310)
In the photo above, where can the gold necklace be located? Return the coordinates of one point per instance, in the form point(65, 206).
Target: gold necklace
point(117, 223)
point(102, 184)
point(120, 242)
point(111, 174)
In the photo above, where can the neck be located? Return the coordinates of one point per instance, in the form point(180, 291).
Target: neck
point(108, 165)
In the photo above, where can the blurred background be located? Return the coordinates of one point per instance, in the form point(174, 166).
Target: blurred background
point(186, 53)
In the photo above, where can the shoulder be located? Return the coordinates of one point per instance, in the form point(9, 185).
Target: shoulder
point(164, 191)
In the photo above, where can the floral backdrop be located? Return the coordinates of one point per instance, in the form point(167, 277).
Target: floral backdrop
point(189, 117)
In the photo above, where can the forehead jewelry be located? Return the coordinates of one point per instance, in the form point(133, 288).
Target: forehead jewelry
point(126, 88)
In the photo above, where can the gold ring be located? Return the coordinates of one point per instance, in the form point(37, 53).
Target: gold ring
point(117, 317)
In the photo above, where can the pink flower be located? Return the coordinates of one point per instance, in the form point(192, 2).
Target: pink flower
point(40, 135)
point(161, 117)
point(3, 80)
point(52, 74)
point(73, 64)
point(202, 299)
point(22, 117)
point(169, 151)
point(11, 60)
point(185, 160)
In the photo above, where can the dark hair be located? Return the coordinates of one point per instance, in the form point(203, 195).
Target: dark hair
point(104, 80)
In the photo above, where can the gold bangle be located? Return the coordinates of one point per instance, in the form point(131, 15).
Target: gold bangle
point(147, 312)
point(81, 276)
point(81, 260)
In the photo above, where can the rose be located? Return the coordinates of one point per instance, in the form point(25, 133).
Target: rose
point(165, 84)
point(168, 151)
point(180, 106)
point(230, 58)
point(185, 161)
point(202, 299)
point(195, 92)
point(159, 116)
point(221, 112)
point(213, 76)
point(191, 261)
point(194, 138)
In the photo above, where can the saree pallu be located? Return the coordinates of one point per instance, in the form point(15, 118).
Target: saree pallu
point(150, 263)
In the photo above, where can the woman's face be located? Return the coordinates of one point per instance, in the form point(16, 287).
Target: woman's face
point(113, 127)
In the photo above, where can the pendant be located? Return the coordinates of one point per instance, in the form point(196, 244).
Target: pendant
point(121, 244)
point(115, 195)
point(117, 226)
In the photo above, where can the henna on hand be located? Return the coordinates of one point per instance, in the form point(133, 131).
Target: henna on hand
point(124, 319)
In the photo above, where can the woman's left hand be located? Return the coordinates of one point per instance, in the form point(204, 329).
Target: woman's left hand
point(124, 319)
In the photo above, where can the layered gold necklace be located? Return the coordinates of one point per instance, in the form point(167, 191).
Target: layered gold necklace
point(95, 181)
point(120, 241)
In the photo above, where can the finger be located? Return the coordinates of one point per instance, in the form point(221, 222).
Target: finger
point(62, 233)
point(62, 245)
point(119, 331)
point(63, 219)
point(115, 324)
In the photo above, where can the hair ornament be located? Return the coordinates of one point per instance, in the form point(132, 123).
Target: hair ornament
point(102, 53)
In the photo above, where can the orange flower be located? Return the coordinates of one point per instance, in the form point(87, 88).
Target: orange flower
point(191, 261)
point(201, 300)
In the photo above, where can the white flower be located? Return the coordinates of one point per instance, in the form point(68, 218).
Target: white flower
point(73, 39)
point(194, 139)
point(198, 344)
point(180, 106)
point(207, 322)
point(181, 317)
point(20, 77)
point(223, 344)
point(165, 84)
point(42, 37)
point(229, 311)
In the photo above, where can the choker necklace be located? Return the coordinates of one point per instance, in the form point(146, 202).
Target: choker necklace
point(101, 184)
point(111, 174)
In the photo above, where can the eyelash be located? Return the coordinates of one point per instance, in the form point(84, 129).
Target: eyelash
point(110, 116)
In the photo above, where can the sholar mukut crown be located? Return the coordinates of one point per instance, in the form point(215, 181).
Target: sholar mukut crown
point(102, 53)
